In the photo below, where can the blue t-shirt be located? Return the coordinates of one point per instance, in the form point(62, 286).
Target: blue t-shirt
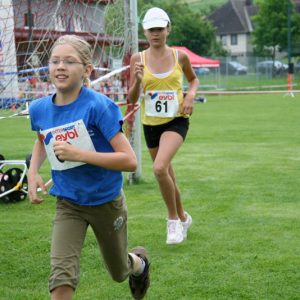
point(94, 117)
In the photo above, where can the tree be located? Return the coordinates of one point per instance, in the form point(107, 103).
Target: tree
point(271, 29)
point(189, 28)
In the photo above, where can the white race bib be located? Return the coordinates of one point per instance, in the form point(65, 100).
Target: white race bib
point(74, 133)
point(162, 104)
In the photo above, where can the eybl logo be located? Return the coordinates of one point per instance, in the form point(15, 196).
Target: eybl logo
point(60, 134)
point(153, 96)
point(162, 95)
point(166, 96)
point(68, 134)
point(46, 139)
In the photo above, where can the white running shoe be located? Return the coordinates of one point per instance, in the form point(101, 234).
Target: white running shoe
point(186, 225)
point(174, 232)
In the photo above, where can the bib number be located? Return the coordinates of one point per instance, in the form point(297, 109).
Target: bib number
point(163, 104)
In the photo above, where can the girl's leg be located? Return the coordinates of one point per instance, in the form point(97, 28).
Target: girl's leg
point(64, 292)
point(69, 230)
point(109, 223)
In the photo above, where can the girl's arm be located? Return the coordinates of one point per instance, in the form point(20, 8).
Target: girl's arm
point(35, 181)
point(193, 81)
point(136, 76)
point(123, 159)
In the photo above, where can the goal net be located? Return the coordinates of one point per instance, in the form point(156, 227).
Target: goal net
point(28, 29)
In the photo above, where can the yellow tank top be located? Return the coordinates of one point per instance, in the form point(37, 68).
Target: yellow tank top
point(163, 97)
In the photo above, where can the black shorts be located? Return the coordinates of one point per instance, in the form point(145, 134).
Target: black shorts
point(153, 133)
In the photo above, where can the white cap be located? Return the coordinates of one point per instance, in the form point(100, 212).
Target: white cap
point(155, 17)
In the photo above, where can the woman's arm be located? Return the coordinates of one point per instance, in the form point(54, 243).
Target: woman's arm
point(193, 81)
point(136, 76)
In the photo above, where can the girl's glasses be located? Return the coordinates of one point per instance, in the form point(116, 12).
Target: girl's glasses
point(66, 62)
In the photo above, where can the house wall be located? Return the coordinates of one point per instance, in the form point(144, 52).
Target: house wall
point(242, 48)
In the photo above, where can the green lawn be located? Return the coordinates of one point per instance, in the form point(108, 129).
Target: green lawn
point(239, 176)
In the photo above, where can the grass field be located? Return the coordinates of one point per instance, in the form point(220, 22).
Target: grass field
point(239, 176)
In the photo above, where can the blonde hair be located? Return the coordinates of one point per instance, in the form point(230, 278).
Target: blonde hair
point(81, 46)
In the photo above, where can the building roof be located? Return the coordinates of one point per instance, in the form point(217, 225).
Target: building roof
point(234, 17)
point(297, 5)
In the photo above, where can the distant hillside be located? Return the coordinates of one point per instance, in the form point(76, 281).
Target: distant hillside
point(204, 6)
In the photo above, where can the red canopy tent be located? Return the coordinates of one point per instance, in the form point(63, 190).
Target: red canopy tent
point(198, 61)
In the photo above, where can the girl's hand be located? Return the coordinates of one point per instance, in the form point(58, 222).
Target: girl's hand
point(65, 151)
point(35, 182)
point(188, 104)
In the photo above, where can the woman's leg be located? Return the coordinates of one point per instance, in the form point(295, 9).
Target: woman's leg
point(179, 206)
point(169, 144)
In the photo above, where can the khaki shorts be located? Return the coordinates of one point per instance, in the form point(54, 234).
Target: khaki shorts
point(109, 224)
